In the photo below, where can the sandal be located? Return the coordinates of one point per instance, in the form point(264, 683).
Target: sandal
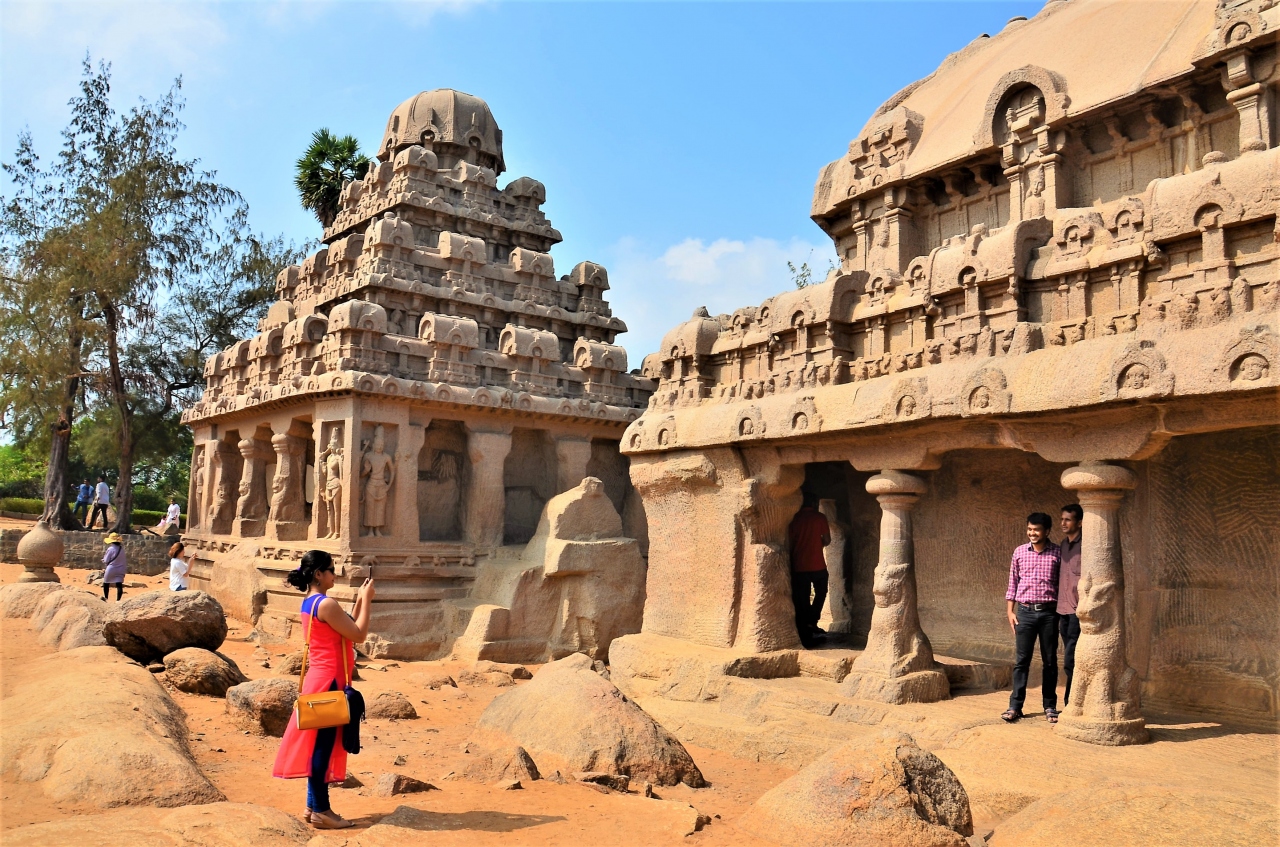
point(1011, 716)
point(329, 820)
point(306, 816)
point(1051, 715)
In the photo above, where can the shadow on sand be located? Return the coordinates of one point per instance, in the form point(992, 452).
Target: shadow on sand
point(408, 817)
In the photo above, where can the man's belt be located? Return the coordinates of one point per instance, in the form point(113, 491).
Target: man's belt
point(1039, 607)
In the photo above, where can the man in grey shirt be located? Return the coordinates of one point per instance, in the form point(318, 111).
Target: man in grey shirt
point(1069, 589)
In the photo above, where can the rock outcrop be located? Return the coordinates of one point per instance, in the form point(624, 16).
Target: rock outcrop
point(263, 705)
point(152, 625)
point(198, 671)
point(391, 705)
point(500, 764)
point(90, 726)
point(209, 825)
point(884, 790)
point(20, 599)
point(65, 620)
point(571, 719)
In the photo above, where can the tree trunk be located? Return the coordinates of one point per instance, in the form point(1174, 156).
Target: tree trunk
point(57, 514)
point(120, 396)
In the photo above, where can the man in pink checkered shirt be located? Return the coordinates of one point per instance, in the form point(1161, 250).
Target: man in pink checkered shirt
point(1033, 615)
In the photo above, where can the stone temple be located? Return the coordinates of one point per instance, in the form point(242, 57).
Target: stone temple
point(423, 386)
point(1059, 278)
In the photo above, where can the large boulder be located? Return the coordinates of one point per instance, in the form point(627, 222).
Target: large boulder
point(20, 599)
point(569, 718)
point(1105, 815)
point(882, 790)
point(65, 620)
point(209, 825)
point(263, 705)
point(198, 671)
point(392, 706)
point(91, 726)
point(152, 625)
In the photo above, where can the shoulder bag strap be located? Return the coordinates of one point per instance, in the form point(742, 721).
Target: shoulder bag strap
point(306, 651)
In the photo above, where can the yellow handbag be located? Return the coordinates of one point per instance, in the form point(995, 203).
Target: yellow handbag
point(323, 709)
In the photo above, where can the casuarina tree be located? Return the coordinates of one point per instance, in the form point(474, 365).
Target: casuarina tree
point(327, 165)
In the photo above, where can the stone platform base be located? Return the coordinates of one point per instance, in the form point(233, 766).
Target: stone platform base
point(919, 687)
point(1109, 733)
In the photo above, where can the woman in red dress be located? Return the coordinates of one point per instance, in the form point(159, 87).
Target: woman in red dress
point(331, 632)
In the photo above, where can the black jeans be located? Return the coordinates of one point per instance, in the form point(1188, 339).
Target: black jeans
point(1035, 626)
point(106, 587)
point(804, 583)
point(1069, 628)
point(93, 518)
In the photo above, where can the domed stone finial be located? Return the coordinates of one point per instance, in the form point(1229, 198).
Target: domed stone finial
point(38, 551)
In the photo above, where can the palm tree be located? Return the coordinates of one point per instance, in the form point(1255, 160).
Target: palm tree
point(329, 163)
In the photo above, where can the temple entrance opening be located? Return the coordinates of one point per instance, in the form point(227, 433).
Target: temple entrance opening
point(854, 518)
point(529, 480)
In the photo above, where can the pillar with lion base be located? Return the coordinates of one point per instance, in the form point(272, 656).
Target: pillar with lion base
point(1104, 707)
point(897, 665)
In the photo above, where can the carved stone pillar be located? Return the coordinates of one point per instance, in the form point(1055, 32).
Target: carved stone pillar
point(406, 486)
point(572, 456)
point(1104, 706)
point(897, 665)
point(486, 501)
point(251, 508)
point(837, 614)
point(224, 476)
point(287, 520)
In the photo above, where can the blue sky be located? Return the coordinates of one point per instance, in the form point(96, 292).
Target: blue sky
point(679, 142)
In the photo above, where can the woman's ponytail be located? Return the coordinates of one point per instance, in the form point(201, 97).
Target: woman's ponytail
point(304, 575)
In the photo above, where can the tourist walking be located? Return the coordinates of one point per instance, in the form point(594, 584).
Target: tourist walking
point(330, 633)
point(116, 565)
point(179, 570)
point(808, 534)
point(1069, 590)
point(84, 495)
point(1033, 615)
point(101, 500)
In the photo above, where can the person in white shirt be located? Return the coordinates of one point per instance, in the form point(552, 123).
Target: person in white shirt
point(172, 516)
point(101, 500)
point(179, 570)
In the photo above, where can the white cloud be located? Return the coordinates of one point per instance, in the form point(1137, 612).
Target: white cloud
point(654, 289)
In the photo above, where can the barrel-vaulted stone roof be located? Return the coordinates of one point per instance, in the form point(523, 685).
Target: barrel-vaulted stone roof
point(443, 116)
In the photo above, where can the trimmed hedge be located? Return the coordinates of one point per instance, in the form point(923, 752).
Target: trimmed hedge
point(23, 505)
point(147, 517)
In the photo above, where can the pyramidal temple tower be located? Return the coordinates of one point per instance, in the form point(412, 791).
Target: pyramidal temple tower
point(424, 384)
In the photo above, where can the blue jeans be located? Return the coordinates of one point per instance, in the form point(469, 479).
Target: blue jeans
point(317, 782)
point(81, 510)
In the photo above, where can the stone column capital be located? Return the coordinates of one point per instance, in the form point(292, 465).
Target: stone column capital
point(1098, 477)
point(896, 483)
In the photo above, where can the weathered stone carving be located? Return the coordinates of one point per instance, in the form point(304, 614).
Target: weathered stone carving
point(1104, 700)
point(329, 463)
point(380, 471)
point(897, 665)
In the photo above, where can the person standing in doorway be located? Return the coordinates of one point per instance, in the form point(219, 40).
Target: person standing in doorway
point(1069, 590)
point(84, 495)
point(1033, 615)
point(101, 500)
point(808, 534)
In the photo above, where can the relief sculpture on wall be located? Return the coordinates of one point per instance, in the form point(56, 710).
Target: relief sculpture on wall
point(381, 473)
point(330, 463)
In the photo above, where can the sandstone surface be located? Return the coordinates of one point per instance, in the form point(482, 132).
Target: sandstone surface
point(263, 705)
point(209, 825)
point(1107, 815)
point(570, 719)
point(91, 726)
point(152, 625)
point(500, 763)
point(868, 793)
point(198, 671)
point(69, 619)
point(20, 599)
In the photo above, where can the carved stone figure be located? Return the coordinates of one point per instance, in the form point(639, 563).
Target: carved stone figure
point(1253, 368)
point(381, 472)
point(330, 462)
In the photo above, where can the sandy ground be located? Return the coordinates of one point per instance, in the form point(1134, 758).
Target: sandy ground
point(1005, 768)
point(543, 813)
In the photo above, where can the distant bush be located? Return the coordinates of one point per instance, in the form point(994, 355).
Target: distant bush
point(22, 505)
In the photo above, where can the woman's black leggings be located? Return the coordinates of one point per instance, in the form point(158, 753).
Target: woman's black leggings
point(106, 587)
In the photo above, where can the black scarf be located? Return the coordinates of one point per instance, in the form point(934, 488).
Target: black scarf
point(351, 732)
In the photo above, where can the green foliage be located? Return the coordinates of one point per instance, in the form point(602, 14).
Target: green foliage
point(151, 517)
point(328, 163)
point(22, 505)
point(21, 473)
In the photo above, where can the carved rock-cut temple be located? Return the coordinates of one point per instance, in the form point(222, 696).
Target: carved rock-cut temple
point(424, 385)
point(1059, 280)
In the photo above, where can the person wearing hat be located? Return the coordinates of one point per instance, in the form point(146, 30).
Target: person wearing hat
point(116, 563)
